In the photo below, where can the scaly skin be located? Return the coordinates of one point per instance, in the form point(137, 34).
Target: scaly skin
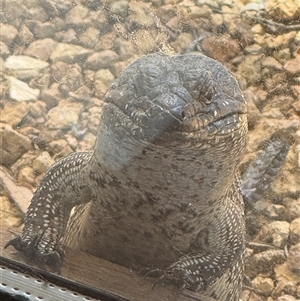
point(161, 189)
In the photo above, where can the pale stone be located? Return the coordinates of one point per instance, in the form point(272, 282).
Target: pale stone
point(42, 163)
point(22, 66)
point(65, 115)
point(12, 144)
point(69, 53)
point(103, 80)
point(13, 114)
point(263, 284)
point(20, 91)
point(276, 233)
point(41, 49)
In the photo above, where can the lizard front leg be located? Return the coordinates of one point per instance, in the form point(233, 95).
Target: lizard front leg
point(217, 249)
point(63, 187)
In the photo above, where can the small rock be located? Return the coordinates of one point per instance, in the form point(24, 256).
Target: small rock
point(103, 80)
point(275, 211)
point(13, 114)
point(72, 141)
point(183, 42)
point(69, 53)
point(25, 36)
point(20, 91)
point(12, 144)
point(293, 260)
point(67, 36)
point(278, 42)
point(276, 233)
point(296, 92)
point(90, 37)
point(51, 96)
point(37, 109)
point(56, 7)
point(20, 195)
point(42, 163)
point(264, 284)
point(24, 67)
point(295, 231)
point(42, 30)
point(5, 52)
point(63, 116)
point(95, 113)
point(59, 70)
point(9, 214)
point(88, 143)
point(286, 281)
point(124, 48)
point(282, 10)
point(250, 69)
point(8, 34)
point(101, 60)
point(41, 49)
point(283, 55)
point(293, 66)
point(271, 63)
point(26, 177)
point(255, 297)
point(77, 16)
point(220, 48)
point(107, 41)
point(264, 262)
point(72, 81)
point(286, 298)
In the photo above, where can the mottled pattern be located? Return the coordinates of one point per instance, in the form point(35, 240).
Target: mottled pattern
point(161, 189)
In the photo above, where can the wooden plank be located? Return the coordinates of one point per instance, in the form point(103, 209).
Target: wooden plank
point(105, 276)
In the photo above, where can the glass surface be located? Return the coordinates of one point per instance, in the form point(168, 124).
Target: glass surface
point(58, 60)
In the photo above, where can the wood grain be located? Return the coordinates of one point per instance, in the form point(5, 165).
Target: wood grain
point(105, 276)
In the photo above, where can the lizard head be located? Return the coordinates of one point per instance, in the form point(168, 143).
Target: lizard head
point(176, 101)
point(166, 116)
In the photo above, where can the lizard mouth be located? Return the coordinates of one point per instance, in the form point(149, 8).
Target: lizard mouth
point(221, 117)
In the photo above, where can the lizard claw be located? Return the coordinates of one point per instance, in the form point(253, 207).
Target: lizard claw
point(52, 259)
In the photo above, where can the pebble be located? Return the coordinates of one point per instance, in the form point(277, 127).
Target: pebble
point(20, 91)
point(51, 96)
point(13, 145)
point(57, 117)
point(41, 49)
point(286, 298)
point(13, 114)
point(26, 177)
point(263, 284)
point(8, 34)
point(220, 48)
point(42, 163)
point(24, 67)
point(69, 53)
point(77, 16)
point(103, 80)
point(276, 233)
point(293, 260)
point(295, 231)
point(40, 29)
point(250, 69)
point(293, 66)
point(101, 60)
point(264, 262)
point(282, 10)
point(9, 214)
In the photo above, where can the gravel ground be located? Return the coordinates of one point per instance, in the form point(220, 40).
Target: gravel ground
point(59, 57)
